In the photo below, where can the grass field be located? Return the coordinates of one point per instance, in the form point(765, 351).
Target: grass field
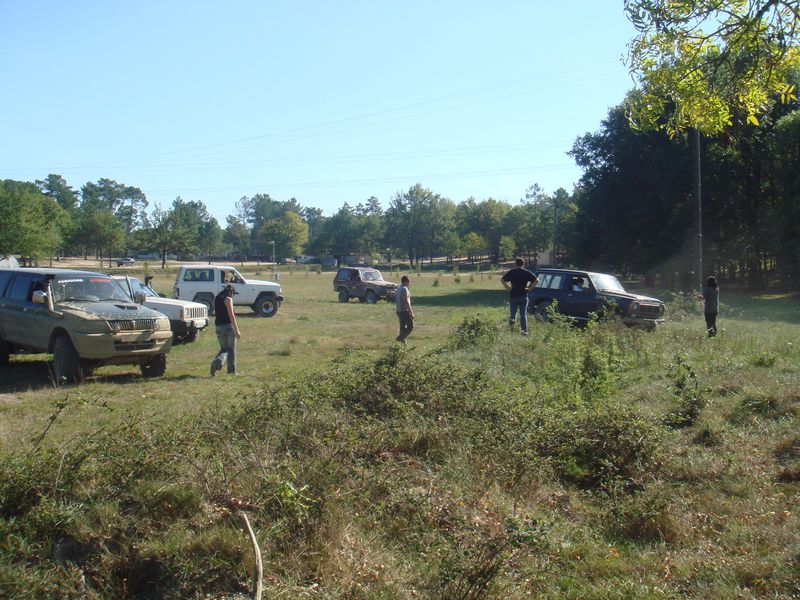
point(311, 331)
point(474, 463)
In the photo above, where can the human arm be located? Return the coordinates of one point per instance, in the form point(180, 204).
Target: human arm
point(232, 315)
point(407, 304)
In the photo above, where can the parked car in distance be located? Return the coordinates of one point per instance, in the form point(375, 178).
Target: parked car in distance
point(363, 283)
point(186, 319)
point(126, 262)
point(83, 319)
point(201, 283)
point(579, 294)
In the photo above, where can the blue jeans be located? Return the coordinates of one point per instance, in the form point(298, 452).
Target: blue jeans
point(519, 303)
point(226, 335)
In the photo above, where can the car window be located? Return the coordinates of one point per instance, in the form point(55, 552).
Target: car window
point(607, 282)
point(88, 288)
point(342, 274)
point(550, 281)
point(231, 276)
point(198, 275)
point(5, 277)
point(139, 288)
point(372, 276)
point(21, 288)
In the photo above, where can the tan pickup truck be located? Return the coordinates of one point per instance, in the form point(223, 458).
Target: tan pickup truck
point(83, 319)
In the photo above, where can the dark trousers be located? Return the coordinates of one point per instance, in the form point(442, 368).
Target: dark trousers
point(711, 324)
point(406, 325)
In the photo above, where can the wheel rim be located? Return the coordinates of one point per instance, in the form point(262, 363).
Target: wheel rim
point(371, 297)
point(267, 307)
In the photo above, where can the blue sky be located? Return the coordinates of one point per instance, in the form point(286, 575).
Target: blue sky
point(326, 102)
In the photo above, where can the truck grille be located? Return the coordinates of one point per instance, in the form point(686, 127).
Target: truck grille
point(650, 311)
point(132, 324)
point(196, 313)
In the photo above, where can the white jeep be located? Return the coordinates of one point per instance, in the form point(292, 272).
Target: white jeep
point(186, 318)
point(201, 283)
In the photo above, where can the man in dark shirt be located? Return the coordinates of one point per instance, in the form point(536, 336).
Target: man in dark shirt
point(518, 281)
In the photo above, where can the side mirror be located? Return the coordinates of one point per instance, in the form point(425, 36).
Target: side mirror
point(39, 297)
point(139, 297)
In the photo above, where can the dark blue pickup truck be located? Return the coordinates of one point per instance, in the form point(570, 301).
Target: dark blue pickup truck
point(577, 294)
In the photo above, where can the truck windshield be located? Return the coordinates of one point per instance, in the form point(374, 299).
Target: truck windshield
point(607, 282)
point(371, 276)
point(91, 288)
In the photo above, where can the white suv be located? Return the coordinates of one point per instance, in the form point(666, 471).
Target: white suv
point(201, 283)
point(186, 319)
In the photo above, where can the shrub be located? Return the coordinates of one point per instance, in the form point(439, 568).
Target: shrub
point(478, 329)
point(599, 445)
point(689, 396)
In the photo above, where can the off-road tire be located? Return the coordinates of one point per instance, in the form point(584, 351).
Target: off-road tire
point(206, 300)
point(344, 297)
point(266, 306)
point(5, 352)
point(370, 297)
point(66, 362)
point(154, 366)
point(187, 338)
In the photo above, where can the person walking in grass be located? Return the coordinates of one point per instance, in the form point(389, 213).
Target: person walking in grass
point(404, 311)
point(518, 281)
point(711, 305)
point(227, 331)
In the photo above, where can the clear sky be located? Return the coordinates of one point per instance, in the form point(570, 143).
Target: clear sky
point(324, 101)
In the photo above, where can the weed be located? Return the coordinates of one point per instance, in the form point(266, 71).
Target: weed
point(689, 396)
point(765, 359)
point(475, 330)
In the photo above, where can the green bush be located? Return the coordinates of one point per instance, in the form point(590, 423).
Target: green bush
point(688, 395)
point(477, 329)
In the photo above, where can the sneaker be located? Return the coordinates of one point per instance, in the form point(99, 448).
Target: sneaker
point(523, 332)
point(213, 369)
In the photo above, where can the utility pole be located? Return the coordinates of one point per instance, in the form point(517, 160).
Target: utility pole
point(274, 264)
point(699, 207)
point(555, 231)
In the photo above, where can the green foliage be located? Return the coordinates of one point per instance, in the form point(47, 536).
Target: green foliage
point(31, 224)
point(601, 445)
point(477, 329)
point(689, 396)
point(709, 59)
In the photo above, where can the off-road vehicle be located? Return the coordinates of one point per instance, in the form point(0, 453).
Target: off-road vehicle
point(363, 283)
point(186, 318)
point(84, 319)
point(201, 283)
point(579, 294)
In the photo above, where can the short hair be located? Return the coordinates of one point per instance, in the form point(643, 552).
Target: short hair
point(520, 261)
point(711, 281)
point(405, 279)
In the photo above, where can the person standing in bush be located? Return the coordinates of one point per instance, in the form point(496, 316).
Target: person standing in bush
point(711, 307)
point(404, 312)
point(518, 281)
point(227, 331)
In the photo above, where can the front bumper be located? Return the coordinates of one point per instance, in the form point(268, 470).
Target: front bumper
point(123, 347)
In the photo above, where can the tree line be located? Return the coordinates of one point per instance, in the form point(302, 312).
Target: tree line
point(632, 212)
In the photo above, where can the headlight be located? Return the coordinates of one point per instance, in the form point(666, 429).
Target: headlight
point(633, 308)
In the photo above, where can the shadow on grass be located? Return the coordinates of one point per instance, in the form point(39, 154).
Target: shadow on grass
point(463, 298)
point(21, 376)
point(767, 306)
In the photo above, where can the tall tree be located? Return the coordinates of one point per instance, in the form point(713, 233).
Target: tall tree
point(30, 222)
point(699, 62)
point(126, 203)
